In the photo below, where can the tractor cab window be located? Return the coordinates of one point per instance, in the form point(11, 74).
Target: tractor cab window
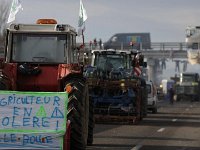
point(188, 78)
point(195, 46)
point(148, 86)
point(113, 61)
point(43, 48)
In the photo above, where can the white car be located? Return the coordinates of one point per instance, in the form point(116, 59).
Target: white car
point(152, 97)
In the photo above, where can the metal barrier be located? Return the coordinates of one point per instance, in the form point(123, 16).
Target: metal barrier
point(158, 50)
point(169, 46)
point(154, 46)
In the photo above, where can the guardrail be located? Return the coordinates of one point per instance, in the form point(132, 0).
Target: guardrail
point(169, 46)
point(154, 46)
point(159, 54)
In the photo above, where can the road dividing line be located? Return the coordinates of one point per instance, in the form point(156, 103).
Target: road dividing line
point(174, 120)
point(161, 130)
point(137, 147)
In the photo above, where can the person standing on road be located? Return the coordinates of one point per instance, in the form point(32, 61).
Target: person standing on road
point(100, 43)
point(171, 95)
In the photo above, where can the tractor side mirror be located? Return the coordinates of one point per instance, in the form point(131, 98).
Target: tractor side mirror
point(145, 64)
point(133, 64)
point(141, 60)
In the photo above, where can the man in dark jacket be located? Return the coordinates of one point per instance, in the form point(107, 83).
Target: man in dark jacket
point(171, 95)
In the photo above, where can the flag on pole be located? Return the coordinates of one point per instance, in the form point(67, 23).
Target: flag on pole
point(82, 18)
point(16, 6)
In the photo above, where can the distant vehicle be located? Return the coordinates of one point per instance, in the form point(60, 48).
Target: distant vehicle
point(152, 97)
point(188, 87)
point(166, 85)
point(129, 41)
point(193, 44)
point(160, 93)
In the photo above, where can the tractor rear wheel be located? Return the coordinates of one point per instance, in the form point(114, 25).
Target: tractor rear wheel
point(77, 113)
point(91, 122)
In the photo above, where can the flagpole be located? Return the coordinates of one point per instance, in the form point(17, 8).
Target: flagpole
point(83, 38)
point(81, 22)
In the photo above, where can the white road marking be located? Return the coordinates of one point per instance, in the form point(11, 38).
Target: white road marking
point(161, 130)
point(137, 147)
point(174, 120)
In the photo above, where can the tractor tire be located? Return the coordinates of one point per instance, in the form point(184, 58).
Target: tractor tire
point(154, 110)
point(77, 113)
point(91, 122)
point(2, 86)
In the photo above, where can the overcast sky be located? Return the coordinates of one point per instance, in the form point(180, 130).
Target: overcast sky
point(166, 20)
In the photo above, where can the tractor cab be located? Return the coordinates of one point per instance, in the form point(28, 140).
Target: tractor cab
point(42, 60)
point(40, 43)
point(38, 56)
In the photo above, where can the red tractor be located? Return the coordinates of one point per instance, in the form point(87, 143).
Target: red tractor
point(42, 57)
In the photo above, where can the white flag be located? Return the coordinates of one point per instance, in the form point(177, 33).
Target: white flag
point(82, 15)
point(16, 6)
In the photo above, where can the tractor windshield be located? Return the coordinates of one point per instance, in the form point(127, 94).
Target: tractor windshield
point(115, 62)
point(45, 48)
point(188, 78)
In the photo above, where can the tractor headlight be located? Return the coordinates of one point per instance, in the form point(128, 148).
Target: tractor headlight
point(122, 84)
point(195, 83)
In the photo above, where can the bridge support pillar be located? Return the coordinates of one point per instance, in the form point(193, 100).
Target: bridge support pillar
point(151, 69)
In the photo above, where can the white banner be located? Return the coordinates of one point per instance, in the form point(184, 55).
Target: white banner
point(32, 120)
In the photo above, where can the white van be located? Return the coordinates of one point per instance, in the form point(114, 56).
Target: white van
point(152, 97)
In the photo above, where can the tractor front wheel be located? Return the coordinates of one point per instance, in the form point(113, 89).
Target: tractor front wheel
point(77, 113)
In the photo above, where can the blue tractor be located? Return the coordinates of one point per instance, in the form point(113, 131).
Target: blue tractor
point(117, 94)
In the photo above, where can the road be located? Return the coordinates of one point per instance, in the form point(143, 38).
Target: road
point(174, 127)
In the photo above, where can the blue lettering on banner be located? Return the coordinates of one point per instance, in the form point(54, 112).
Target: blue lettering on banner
point(27, 139)
point(57, 113)
point(14, 125)
point(24, 127)
point(38, 100)
point(3, 102)
point(32, 139)
point(13, 100)
point(56, 100)
point(35, 122)
point(27, 111)
point(45, 122)
point(11, 138)
point(5, 121)
point(47, 100)
point(26, 122)
point(5, 138)
point(16, 111)
point(10, 98)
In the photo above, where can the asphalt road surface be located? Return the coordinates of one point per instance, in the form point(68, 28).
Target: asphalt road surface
point(174, 127)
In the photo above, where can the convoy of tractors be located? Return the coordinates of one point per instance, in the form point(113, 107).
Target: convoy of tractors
point(42, 63)
point(42, 59)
